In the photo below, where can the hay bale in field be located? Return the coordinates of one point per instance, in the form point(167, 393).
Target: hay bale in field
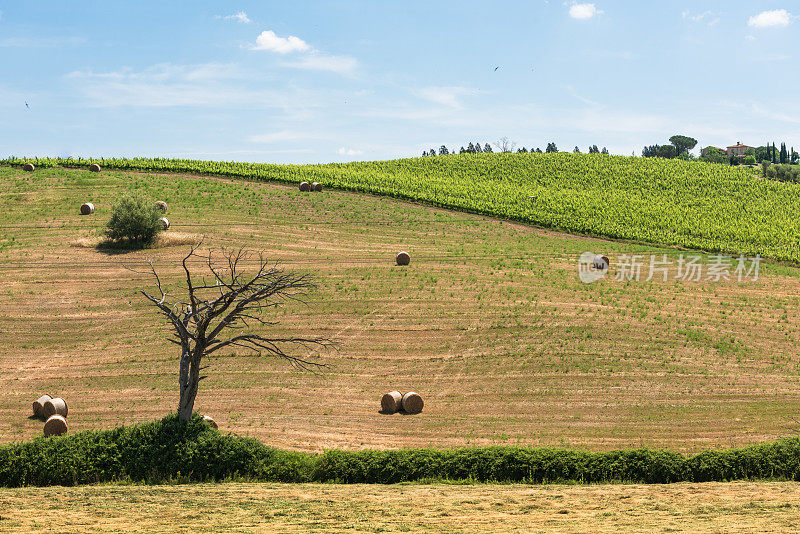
point(412, 403)
point(210, 422)
point(403, 258)
point(28, 167)
point(38, 405)
point(305, 186)
point(57, 406)
point(391, 402)
point(600, 262)
point(55, 426)
point(94, 167)
point(87, 208)
point(164, 223)
point(161, 206)
point(316, 186)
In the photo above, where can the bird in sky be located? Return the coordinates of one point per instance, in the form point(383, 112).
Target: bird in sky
point(497, 67)
point(27, 106)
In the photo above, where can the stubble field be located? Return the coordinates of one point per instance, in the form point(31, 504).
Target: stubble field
point(713, 507)
point(490, 323)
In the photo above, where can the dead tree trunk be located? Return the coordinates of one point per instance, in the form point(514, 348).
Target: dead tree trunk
point(231, 300)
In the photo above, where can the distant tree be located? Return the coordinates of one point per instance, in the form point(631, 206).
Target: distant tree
point(774, 158)
point(783, 153)
point(504, 144)
point(522, 150)
point(538, 150)
point(682, 143)
point(551, 148)
point(471, 148)
point(667, 151)
point(750, 160)
point(734, 160)
point(593, 149)
point(432, 152)
point(650, 151)
point(487, 148)
point(762, 153)
point(478, 148)
point(795, 157)
point(424, 153)
point(443, 151)
point(713, 155)
point(576, 150)
point(604, 151)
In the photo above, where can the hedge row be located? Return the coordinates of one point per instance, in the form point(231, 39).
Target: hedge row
point(170, 450)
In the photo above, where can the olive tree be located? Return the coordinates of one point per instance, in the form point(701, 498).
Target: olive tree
point(227, 309)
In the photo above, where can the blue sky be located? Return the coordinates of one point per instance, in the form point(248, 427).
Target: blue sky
point(345, 80)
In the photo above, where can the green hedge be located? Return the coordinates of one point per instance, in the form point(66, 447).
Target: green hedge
point(171, 450)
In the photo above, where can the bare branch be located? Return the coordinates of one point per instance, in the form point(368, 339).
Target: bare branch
point(200, 321)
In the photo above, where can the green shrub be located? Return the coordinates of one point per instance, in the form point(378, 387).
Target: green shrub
point(171, 449)
point(750, 160)
point(134, 220)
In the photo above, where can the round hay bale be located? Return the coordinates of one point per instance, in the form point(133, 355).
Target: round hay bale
point(161, 206)
point(403, 258)
point(28, 167)
point(316, 186)
point(57, 406)
point(210, 422)
point(55, 426)
point(305, 186)
point(600, 262)
point(87, 208)
point(164, 223)
point(391, 402)
point(38, 405)
point(412, 403)
point(94, 167)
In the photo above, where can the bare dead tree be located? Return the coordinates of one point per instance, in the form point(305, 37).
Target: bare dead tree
point(504, 144)
point(223, 310)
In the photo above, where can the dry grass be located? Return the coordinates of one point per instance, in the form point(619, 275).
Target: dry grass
point(705, 508)
point(489, 323)
point(163, 240)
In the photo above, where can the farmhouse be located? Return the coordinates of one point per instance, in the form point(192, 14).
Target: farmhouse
point(737, 150)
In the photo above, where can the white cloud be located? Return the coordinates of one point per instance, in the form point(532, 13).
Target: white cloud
point(577, 95)
point(349, 152)
point(168, 85)
point(706, 17)
point(241, 16)
point(583, 11)
point(309, 59)
point(267, 40)
point(767, 19)
point(446, 96)
point(339, 64)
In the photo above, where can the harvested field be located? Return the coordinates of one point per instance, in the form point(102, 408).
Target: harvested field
point(491, 325)
point(716, 507)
